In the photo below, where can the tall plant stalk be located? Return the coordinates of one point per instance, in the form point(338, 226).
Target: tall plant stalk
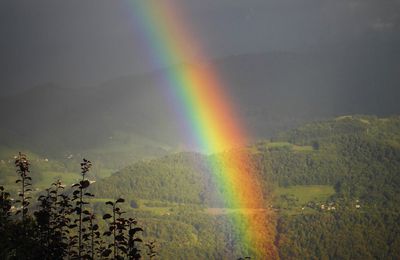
point(78, 194)
point(22, 164)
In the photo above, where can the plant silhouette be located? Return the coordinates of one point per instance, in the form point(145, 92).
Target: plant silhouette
point(63, 227)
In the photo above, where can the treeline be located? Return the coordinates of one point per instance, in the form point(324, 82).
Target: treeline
point(63, 224)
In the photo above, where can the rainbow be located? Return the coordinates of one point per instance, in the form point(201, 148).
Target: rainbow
point(209, 114)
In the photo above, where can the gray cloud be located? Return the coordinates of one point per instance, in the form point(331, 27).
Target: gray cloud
point(85, 42)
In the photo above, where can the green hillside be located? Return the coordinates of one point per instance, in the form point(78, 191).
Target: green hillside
point(333, 189)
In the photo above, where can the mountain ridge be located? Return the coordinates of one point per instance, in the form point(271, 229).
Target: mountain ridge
point(271, 92)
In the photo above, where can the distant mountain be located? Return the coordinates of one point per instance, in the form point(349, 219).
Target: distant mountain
point(280, 90)
point(271, 92)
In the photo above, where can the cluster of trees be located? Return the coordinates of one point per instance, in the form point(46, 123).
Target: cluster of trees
point(180, 178)
point(190, 233)
point(343, 234)
point(63, 224)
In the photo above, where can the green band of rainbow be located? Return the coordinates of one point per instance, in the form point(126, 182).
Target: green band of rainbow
point(208, 112)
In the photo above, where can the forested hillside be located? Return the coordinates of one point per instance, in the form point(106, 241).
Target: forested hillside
point(332, 190)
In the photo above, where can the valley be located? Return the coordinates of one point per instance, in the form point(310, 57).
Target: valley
point(336, 178)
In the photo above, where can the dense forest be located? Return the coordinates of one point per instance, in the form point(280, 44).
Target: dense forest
point(356, 157)
point(331, 190)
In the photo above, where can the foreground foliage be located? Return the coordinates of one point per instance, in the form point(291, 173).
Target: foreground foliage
point(63, 224)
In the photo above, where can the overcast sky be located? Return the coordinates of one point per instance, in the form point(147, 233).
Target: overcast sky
point(84, 42)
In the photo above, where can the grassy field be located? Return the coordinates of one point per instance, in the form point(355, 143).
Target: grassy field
point(48, 177)
point(284, 145)
point(293, 199)
point(225, 211)
point(279, 145)
point(302, 148)
point(306, 193)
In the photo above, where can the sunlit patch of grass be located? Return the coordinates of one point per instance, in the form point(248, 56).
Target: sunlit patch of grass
point(279, 145)
point(225, 211)
point(294, 199)
point(49, 177)
point(307, 193)
point(302, 148)
point(104, 173)
point(284, 145)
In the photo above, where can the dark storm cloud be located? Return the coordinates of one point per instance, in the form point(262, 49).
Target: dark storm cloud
point(84, 42)
point(64, 41)
point(289, 24)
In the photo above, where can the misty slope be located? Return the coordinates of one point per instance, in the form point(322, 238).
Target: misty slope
point(271, 92)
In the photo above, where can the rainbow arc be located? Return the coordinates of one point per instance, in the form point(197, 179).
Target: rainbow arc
point(209, 115)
